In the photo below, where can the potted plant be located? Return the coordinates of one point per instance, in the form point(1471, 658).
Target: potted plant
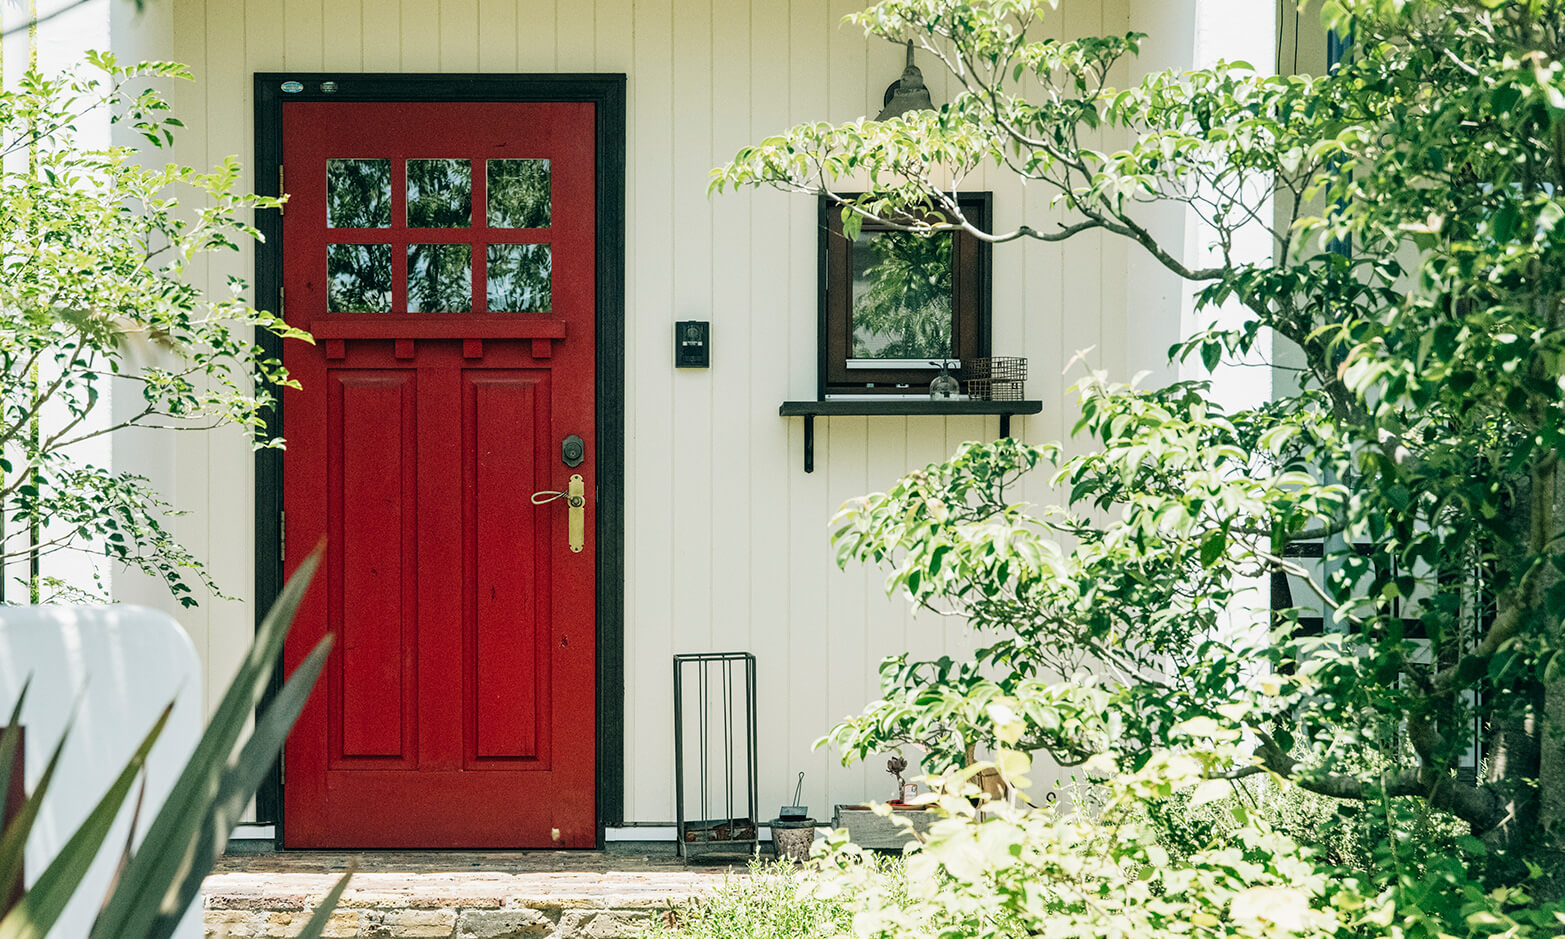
point(869, 828)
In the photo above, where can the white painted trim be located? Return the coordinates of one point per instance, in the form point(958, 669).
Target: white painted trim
point(638, 833)
point(254, 833)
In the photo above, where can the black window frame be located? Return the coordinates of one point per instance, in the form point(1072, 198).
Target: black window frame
point(972, 289)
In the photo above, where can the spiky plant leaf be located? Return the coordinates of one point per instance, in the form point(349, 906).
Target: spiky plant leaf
point(13, 843)
point(237, 786)
point(11, 737)
point(168, 854)
point(46, 899)
point(317, 924)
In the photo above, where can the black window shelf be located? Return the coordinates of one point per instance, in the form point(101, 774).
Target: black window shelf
point(810, 410)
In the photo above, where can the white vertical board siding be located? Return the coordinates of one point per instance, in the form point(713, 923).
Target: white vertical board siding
point(727, 542)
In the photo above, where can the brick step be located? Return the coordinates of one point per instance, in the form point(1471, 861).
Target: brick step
point(494, 895)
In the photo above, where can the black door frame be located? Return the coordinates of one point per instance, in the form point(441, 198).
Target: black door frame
point(607, 92)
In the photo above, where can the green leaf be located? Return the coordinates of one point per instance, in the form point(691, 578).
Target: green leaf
point(1551, 671)
point(239, 783)
point(1212, 546)
point(322, 915)
point(168, 852)
point(11, 737)
point(852, 223)
point(1211, 355)
point(14, 843)
point(47, 898)
point(1210, 790)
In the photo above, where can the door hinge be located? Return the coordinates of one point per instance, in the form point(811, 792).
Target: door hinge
point(282, 301)
point(282, 208)
point(282, 537)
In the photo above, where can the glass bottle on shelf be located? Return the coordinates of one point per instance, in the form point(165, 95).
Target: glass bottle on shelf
point(944, 385)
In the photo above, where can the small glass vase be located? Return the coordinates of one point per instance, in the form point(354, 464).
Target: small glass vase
point(944, 385)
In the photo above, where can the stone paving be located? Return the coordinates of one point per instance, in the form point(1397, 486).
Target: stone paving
point(610, 894)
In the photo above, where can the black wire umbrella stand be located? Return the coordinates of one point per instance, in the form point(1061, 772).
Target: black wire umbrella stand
point(718, 677)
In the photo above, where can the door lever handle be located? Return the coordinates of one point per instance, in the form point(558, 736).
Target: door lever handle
point(575, 496)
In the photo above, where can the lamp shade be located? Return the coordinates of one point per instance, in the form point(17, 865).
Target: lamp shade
point(907, 94)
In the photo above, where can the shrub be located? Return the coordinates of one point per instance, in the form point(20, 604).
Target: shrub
point(773, 901)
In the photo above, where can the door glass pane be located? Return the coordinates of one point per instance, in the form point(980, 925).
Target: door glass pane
point(901, 301)
point(518, 194)
point(519, 278)
point(358, 278)
point(440, 279)
point(358, 193)
point(440, 194)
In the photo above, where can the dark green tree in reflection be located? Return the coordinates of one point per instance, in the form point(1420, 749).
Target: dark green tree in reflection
point(440, 279)
point(519, 278)
point(440, 194)
point(518, 193)
point(358, 194)
point(901, 296)
point(358, 278)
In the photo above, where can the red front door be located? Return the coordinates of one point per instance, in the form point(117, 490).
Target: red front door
point(442, 256)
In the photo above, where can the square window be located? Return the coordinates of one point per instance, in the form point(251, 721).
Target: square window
point(440, 278)
point(894, 302)
point(518, 194)
point(440, 194)
point(358, 193)
point(518, 278)
point(900, 303)
point(358, 278)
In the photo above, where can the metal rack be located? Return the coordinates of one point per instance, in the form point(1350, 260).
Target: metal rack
point(719, 717)
point(995, 377)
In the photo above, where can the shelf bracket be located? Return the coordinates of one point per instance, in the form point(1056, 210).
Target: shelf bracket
point(1005, 426)
point(809, 443)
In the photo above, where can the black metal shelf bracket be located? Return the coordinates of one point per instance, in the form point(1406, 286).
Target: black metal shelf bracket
point(809, 443)
point(809, 410)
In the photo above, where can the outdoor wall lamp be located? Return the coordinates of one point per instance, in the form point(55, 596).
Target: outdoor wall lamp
point(906, 93)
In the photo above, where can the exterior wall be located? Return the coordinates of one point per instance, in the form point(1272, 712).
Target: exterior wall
point(57, 43)
point(727, 542)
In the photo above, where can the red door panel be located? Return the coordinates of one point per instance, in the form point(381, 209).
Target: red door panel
point(508, 570)
point(372, 457)
point(444, 256)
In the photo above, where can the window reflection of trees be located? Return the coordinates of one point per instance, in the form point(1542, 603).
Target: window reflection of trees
point(358, 278)
point(902, 291)
point(518, 277)
point(440, 279)
point(358, 193)
point(440, 194)
point(518, 194)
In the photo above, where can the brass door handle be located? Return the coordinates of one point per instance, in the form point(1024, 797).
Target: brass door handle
point(575, 496)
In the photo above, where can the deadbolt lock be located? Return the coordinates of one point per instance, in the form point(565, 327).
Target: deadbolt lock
point(573, 450)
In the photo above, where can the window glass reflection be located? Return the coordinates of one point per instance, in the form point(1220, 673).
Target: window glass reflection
point(440, 278)
point(358, 278)
point(358, 193)
point(519, 278)
point(518, 193)
point(901, 300)
point(440, 194)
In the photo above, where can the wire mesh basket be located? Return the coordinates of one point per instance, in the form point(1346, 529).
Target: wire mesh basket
point(995, 378)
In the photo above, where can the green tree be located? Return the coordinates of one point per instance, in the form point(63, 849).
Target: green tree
point(906, 303)
point(1421, 451)
point(95, 246)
